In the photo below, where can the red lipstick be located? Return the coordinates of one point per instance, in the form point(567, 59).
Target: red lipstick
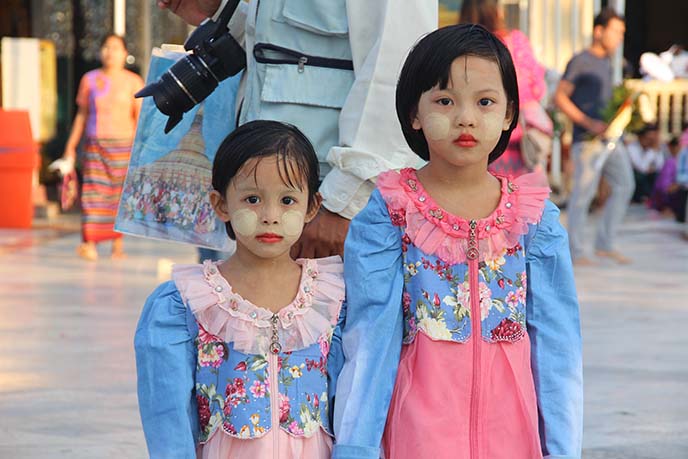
point(466, 141)
point(269, 238)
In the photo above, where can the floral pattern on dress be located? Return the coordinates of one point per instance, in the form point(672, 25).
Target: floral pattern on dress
point(442, 313)
point(244, 400)
point(506, 320)
point(299, 378)
point(238, 380)
point(437, 297)
point(211, 350)
point(235, 394)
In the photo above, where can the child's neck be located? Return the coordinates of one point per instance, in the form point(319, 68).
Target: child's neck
point(448, 177)
point(271, 283)
point(470, 192)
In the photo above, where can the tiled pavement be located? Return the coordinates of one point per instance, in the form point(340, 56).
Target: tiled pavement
point(67, 380)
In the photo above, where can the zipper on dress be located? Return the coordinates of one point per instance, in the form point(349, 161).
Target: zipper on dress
point(472, 256)
point(273, 359)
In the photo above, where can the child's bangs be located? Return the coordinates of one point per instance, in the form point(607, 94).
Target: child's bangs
point(292, 168)
point(443, 69)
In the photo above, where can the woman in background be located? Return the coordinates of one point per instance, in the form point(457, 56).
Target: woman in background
point(530, 74)
point(107, 115)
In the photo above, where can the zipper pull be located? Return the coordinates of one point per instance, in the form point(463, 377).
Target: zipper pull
point(303, 60)
point(275, 346)
point(472, 250)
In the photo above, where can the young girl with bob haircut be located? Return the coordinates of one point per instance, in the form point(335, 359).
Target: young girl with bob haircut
point(232, 357)
point(462, 337)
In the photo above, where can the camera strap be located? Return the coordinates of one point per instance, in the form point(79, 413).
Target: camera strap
point(266, 53)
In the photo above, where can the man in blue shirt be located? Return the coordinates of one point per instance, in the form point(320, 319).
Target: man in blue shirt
point(584, 90)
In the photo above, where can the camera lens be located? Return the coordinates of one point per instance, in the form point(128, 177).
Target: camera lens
point(192, 77)
point(215, 55)
point(179, 89)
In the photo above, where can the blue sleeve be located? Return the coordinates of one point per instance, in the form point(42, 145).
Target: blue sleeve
point(572, 70)
point(372, 333)
point(335, 362)
point(554, 327)
point(165, 367)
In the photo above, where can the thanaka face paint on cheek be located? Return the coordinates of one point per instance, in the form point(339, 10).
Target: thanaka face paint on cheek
point(244, 222)
point(436, 126)
point(292, 222)
point(496, 122)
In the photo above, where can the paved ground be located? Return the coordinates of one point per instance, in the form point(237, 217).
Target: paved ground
point(67, 380)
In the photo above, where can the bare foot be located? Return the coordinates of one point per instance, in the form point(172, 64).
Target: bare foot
point(118, 250)
point(684, 236)
point(87, 251)
point(583, 261)
point(613, 255)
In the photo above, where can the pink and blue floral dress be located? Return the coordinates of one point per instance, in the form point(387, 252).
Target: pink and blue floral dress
point(466, 332)
point(220, 377)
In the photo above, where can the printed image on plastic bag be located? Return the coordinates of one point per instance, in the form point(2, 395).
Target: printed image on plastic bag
point(165, 194)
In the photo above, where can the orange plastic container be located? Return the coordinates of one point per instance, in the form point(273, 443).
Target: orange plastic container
point(18, 158)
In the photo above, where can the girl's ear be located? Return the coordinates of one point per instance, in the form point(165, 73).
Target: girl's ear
point(509, 117)
point(219, 205)
point(313, 211)
point(415, 122)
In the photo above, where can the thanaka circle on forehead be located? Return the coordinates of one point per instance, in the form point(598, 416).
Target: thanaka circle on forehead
point(292, 222)
point(244, 221)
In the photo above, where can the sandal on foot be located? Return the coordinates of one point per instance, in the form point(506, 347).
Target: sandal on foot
point(87, 252)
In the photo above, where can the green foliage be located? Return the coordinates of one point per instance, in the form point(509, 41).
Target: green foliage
point(620, 94)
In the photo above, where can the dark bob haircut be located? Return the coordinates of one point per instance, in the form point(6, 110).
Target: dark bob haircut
point(296, 159)
point(429, 64)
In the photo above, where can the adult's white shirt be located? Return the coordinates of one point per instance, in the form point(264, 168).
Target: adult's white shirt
point(369, 138)
point(645, 160)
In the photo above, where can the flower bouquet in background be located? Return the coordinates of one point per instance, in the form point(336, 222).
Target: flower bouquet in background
point(627, 110)
point(165, 194)
point(623, 112)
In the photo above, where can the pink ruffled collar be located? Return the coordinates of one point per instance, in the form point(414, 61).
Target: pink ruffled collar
point(227, 315)
point(438, 232)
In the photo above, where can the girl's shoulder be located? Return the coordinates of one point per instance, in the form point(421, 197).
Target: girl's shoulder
point(436, 231)
point(164, 315)
point(227, 315)
point(547, 235)
point(89, 77)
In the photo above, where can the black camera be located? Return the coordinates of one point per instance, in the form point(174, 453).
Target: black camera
point(215, 55)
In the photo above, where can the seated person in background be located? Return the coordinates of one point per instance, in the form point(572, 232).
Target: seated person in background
point(664, 194)
point(647, 158)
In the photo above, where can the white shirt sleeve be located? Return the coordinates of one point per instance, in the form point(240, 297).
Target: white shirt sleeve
point(657, 159)
point(370, 138)
point(635, 152)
